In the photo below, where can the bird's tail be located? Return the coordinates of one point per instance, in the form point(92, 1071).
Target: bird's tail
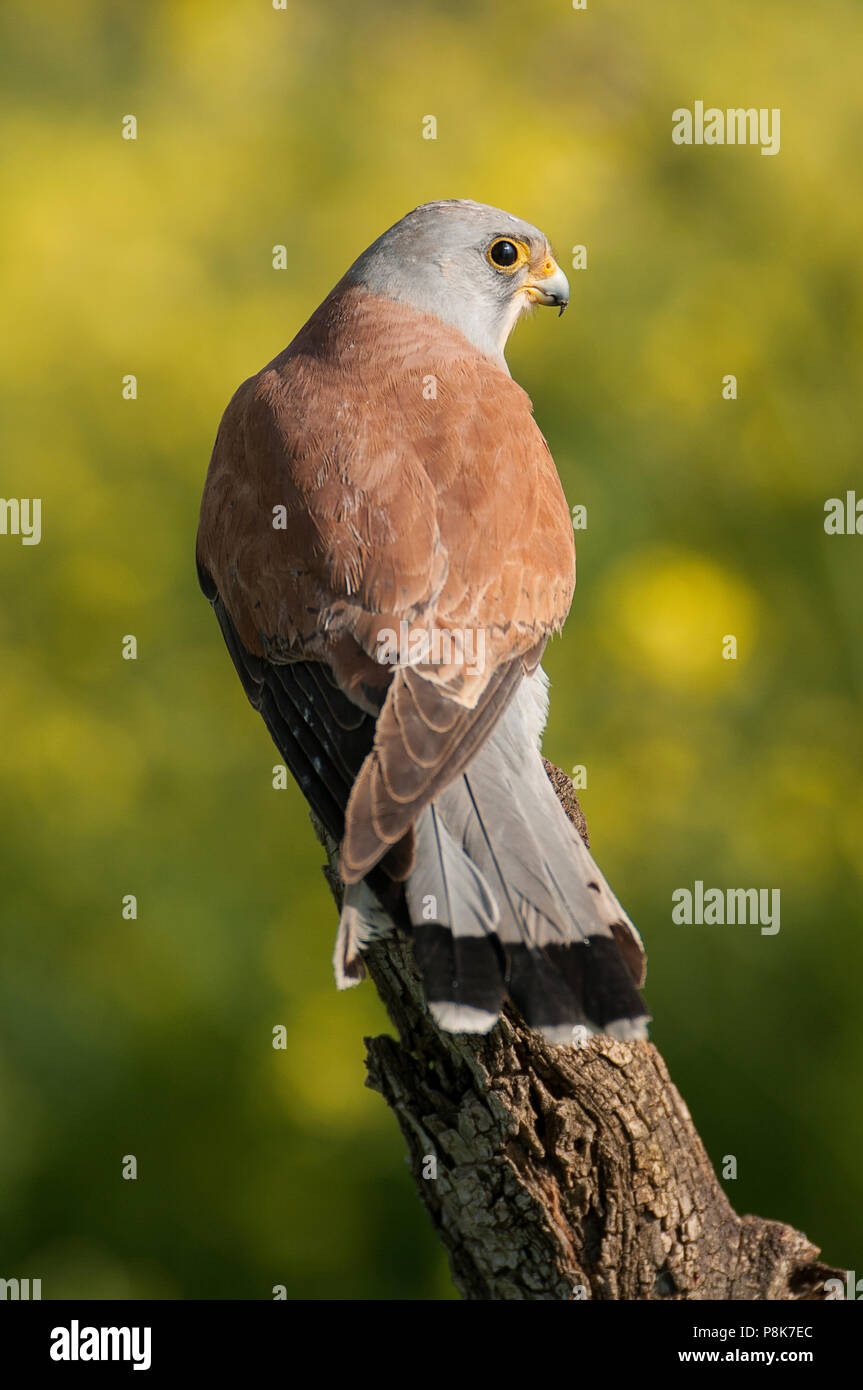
point(505, 900)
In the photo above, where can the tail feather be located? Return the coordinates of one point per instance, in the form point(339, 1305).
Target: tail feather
point(362, 920)
point(455, 919)
point(572, 957)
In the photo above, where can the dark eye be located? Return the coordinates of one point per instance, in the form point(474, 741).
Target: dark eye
point(503, 253)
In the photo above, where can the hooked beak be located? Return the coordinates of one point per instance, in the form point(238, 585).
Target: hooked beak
point(548, 286)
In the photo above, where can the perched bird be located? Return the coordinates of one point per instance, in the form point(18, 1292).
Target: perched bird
point(386, 544)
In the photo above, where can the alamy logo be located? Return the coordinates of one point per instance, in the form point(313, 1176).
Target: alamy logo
point(844, 515)
point(851, 1289)
point(76, 1343)
point(20, 1289)
point(736, 126)
point(21, 516)
point(412, 646)
point(718, 906)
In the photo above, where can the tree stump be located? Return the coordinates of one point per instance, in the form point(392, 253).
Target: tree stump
point(570, 1172)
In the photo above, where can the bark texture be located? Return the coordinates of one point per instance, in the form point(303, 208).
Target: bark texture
point(565, 1172)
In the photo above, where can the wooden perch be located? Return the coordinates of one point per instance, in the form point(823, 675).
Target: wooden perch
point(565, 1172)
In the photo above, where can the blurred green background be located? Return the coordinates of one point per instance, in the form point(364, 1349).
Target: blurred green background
point(705, 517)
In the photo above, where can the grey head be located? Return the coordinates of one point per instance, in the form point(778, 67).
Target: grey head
point(472, 265)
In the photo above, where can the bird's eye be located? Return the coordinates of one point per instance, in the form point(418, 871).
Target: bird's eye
point(506, 254)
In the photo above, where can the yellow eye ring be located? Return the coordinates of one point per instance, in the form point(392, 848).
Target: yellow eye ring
point(507, 255)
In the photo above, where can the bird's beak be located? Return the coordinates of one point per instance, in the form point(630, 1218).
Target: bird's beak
point(548, 285)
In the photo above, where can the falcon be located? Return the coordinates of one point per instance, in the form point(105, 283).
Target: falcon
point(386, 545)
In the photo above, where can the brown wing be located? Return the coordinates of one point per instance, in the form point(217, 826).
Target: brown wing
point(381, 471)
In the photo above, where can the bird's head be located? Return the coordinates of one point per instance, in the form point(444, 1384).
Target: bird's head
point(474, 266)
